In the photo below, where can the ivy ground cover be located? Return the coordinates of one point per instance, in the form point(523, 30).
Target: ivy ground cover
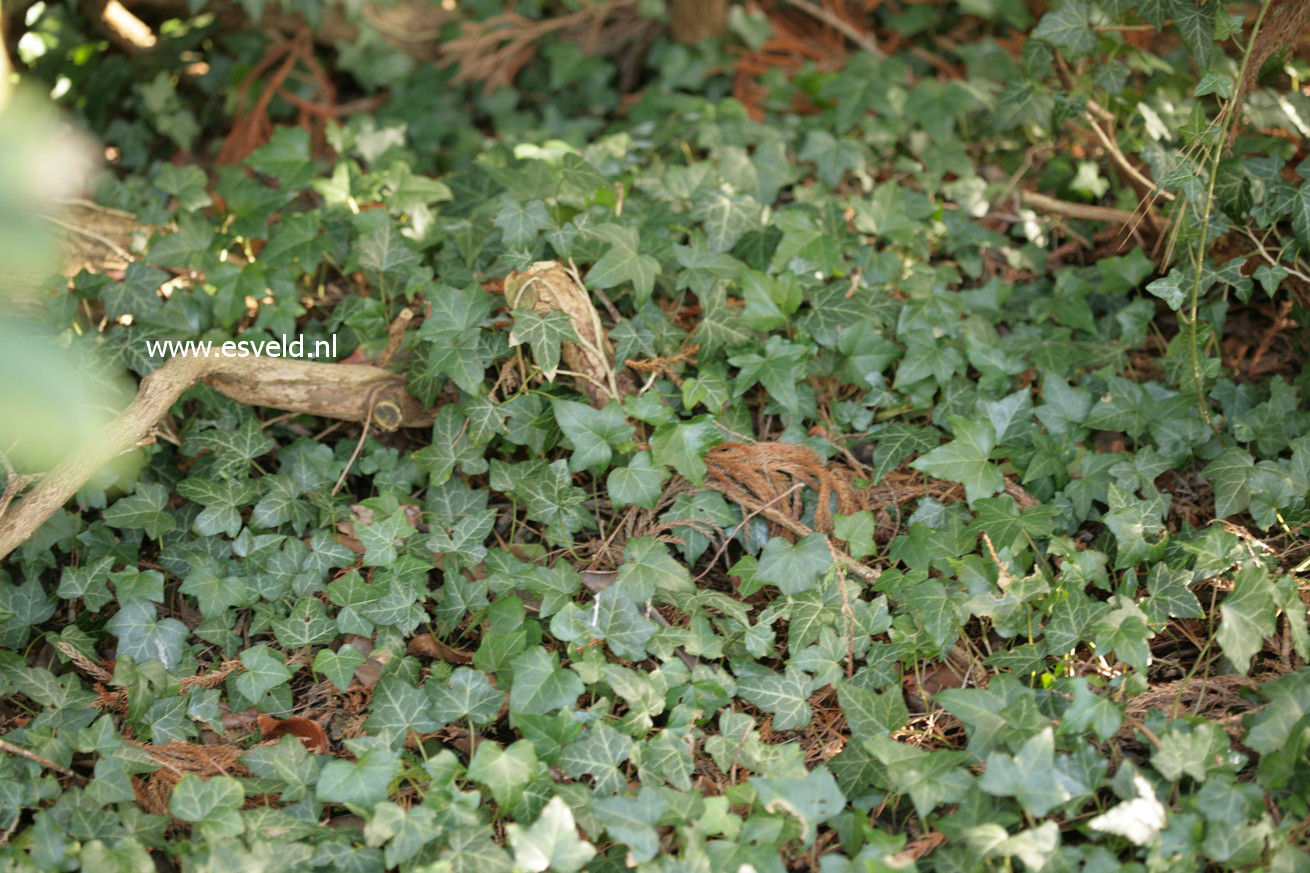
point(842, 457)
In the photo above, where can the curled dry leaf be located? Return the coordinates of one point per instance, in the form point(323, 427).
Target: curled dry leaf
point(306, 730)
point(549, 286)
point(428, 646)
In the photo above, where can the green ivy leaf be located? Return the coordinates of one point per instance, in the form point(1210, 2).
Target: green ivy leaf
point(683, 445)
point(1230, 472)
point(142, 637)
point(544, 334)
point(551, 842)
point(794, 568)
point(632, 820)
point(786, 697)
point(540, 685)
point(1069, 28)
point(1247, 616)
point(505, 771)
point(929, 778)
point(468, 694)
point(265, 670)
point(1029, 776)
point(521, 222)
point(214, 804)
point(362, 782)
point(622, 262)
point(965, 459)
point(648, 567)
point(640, 483)
point(595, 433)
point(142, 510)
point(339, 666)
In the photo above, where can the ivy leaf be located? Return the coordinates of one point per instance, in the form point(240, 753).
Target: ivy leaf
point(648, 567)
point(896, 442)
point(1029, 775)
point(552, 842)
point(683, 445)
point(505, 771)
point(265, 670)
point(598, 754)
point(1196, 27)
point(1091, 710)
point(187, 184)
point(452, 334)
point(794, 568)
point(862, 85)
point(930, 778)
point(870, 713)
point(1068, 28)
point(339, 666)
point(1248, 616)
point(1270, 729)
point(521, 222)
point(640, 483)
point(1230, 472)
point(622, 262)
point(222, 500)
point(467, 694)
point(936, 609)
point(540, 685)
point(1170, 596)
point(213, 593)
point(856, 530)
point(214, 804)
point(286, 157)
point(965, 459)
point(726, 216)
point(143, 510)
point(404, 831)
point(778, 369)
point(89, 582)
point(233, 449)
point(595, 433)
point(143, 638)
point(632, 820)
point(544, 334)
point(812, 799)
point(785, 697)
point(1138, 819)
point(1132, 521)
point(381, 538)
point(362, 782)
point(398, 707)
point(137, 294)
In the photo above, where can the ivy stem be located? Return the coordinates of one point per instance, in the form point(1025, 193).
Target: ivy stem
point(1227, 114)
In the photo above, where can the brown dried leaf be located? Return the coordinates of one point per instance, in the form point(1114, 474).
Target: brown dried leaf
point(306, 730)
point(428, 646)
point(548, 286)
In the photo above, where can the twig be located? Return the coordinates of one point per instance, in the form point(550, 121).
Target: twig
point(1121, 161)
point(395, 333)
point(754, 512)
point(853, 33)
point(350, 392)
point(1077, 210)
point(363, 435)
point(91, 234)
point(6, 746)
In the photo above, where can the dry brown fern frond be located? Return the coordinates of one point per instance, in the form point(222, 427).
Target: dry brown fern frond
point(495, 50)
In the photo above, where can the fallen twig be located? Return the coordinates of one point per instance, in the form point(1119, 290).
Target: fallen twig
point(350, 392)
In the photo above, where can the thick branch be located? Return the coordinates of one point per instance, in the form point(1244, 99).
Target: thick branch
point(350, 392)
